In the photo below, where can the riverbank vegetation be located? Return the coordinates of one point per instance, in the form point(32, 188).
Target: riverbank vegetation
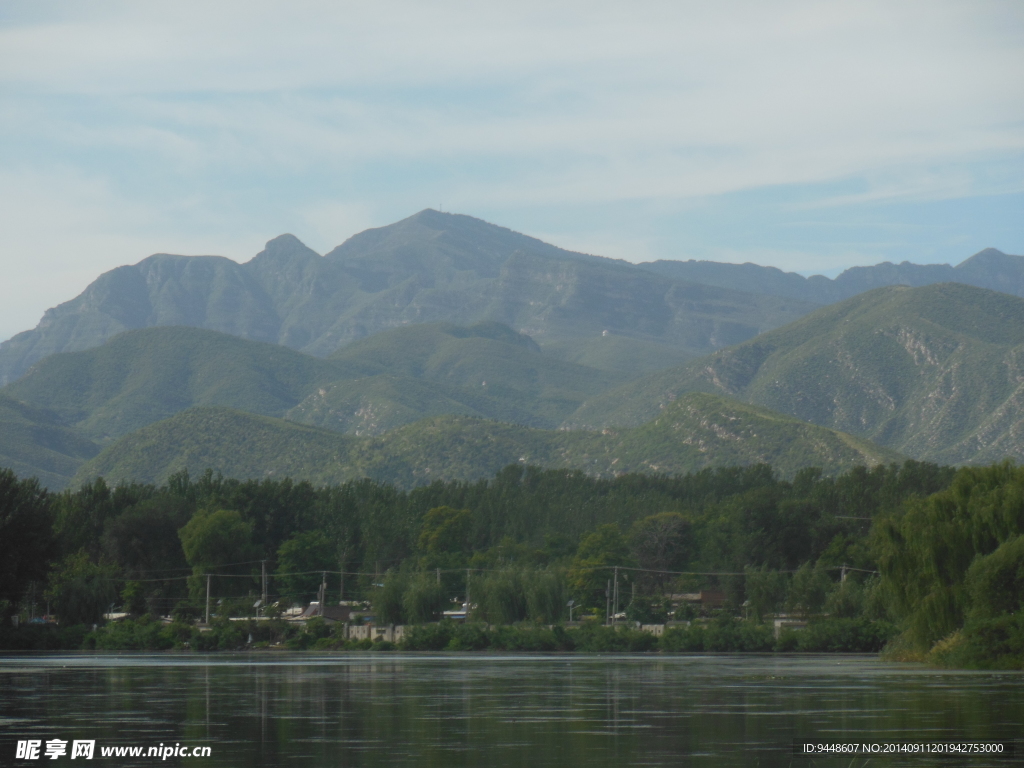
point(925, 558)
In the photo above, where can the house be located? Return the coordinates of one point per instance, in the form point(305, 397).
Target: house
point(329, 613)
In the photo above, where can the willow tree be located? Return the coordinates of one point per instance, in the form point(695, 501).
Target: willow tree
point(926, 549)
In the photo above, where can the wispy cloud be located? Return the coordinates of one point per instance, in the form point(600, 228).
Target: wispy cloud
point(230, 122)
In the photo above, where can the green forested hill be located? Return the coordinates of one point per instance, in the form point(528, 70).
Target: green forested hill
point(379, 383)
point(69, 401)
point(144, 376)
point(485, 370)
point(695, 432)
point(935, 372)
point(34, 443)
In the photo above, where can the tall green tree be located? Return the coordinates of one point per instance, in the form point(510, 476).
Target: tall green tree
point(925, 550)
point(81, 591)
point(593, 564)
point(424, 599)
point(301, 561)
point(661, 542)
point(26, 530)
point(218, 542)
point(445, 543)
point(143, 540)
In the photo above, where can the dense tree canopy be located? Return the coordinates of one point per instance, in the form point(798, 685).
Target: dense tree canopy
point(525, 542)
point(26, 531)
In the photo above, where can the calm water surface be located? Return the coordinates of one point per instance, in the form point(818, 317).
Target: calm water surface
point(278, 709)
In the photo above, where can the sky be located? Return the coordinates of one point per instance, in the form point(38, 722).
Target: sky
point(811, 136)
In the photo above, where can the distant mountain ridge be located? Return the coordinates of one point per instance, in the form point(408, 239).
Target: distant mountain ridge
point(431, 267)
point(442, 267)
point(989, 268)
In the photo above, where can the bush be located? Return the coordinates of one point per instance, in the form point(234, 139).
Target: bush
point(429, 637)
point(842, 636)
point(600, 639)
point(724, 634)
point(469, 637)
point(535, 639)
point(142, 634)
point(37, 637)
point(683, 639)
point(996, 643)
point(995, 582)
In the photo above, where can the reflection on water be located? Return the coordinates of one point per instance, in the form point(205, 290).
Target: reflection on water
point(277, 709)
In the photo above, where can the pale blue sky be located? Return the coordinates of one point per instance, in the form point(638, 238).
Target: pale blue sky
point(807, 135)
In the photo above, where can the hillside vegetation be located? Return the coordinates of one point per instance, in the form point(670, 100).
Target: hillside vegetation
point(394, 378)
point(144, 376)
point(36, 444)
point(698, 431)
point(935, 372)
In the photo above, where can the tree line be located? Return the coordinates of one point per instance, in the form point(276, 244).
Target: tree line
point(930, 549)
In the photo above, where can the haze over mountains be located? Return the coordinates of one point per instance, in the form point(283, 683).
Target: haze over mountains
point(441, 346)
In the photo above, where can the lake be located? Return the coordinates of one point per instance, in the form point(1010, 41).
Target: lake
point(390, 709)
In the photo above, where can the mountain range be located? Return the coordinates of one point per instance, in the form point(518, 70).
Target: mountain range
point(442, 346)
point(442, 267)
point(431, 267)
point(989, 268)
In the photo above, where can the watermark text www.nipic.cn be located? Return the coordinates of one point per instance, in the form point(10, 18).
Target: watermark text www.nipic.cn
point(39, 749)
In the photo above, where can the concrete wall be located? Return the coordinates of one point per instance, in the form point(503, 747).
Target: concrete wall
point(390, 632)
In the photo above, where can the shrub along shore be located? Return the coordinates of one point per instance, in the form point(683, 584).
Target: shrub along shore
point(723, 634)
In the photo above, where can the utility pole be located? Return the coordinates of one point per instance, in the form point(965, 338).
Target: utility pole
point(263, 567)
point(341, 578)
point(207, 599)
point(467, 594)
point(608, 603)
point(323, 591)
point(615, 599)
